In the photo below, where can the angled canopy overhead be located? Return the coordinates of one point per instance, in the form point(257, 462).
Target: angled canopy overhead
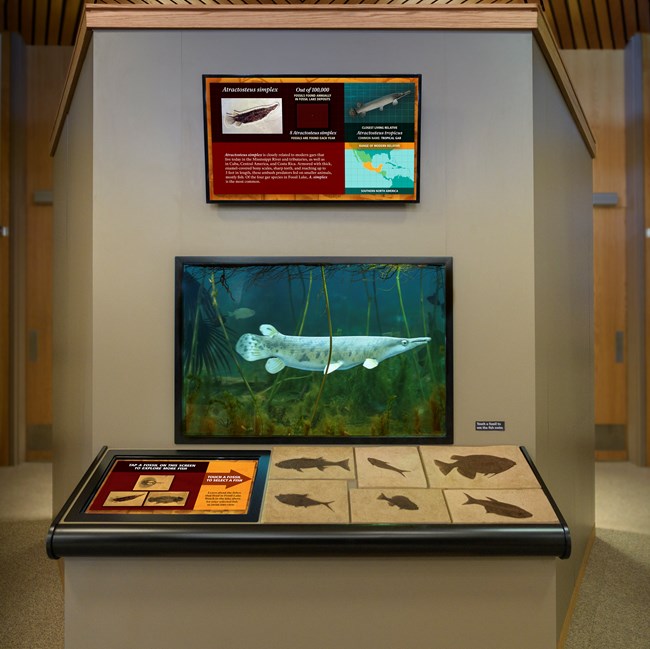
point(576, 24)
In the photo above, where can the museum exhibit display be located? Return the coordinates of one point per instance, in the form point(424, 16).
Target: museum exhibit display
point(312, 138)
point(432, 500)
point(314, 350)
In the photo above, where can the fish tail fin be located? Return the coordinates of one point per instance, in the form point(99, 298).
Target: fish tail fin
point(229, 119)
point(344, 464)
point(445, 467)
point(327, 504)
point(470, 500)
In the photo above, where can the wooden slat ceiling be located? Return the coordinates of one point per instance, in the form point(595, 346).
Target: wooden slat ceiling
point(577, 24)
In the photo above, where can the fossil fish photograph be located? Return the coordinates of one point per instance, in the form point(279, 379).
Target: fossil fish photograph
point(351, 349)
point(302, 500)
point(401, 502)
point(301, 463)
point(471, 465)
point(167, 499)
point(261, 115)
point(154, 482)
point(493, 506)
point(125, 499)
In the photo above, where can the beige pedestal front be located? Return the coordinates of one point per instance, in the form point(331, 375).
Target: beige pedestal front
point(310, 603)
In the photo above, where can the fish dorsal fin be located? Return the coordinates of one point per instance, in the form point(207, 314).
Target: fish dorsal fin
point(268, 330)
point(274, 365)
point(370, 363)
point(332, 367)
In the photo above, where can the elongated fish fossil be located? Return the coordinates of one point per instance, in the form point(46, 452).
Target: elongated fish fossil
point(300, 463)
point(401, 502)
point(148, 482)
point(255, 114)
point(302, 500)
point(469, 465)
point(493, 506)
point(361, 109)
point(122, 499)
point(311, 353)
point(166, 499)
point(384, 465)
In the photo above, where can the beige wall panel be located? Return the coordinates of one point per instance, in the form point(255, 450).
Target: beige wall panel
point(72, 297)
point(326, 602)
point(564, 323)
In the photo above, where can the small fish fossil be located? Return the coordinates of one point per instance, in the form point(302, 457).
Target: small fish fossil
point(148, 482)
point(401, 502)
point(469, 465)
point(300, 463)
point(302, 500)
point(493, 506)
point(384, 465)
point(166, 499)
point(122, 499)
point(239, 117)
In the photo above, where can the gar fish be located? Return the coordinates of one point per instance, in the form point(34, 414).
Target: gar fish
point(300, 463)
point(361, 109)
point(311, 353)
point(401, 502)
point(166, 499)
point(122, 499)
point(493, 506)
point(384, 465)
point(255, 114)
point(302, 500)
point(469, 465)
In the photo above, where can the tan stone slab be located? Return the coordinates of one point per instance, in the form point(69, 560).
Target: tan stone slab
point(389, 466)
point(312, 462)
point(306, 501)
point(507, 505)
point(477, 467)
point(392, 505)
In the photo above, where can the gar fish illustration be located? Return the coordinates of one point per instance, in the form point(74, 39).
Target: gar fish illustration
point(311, 353)
point(300, 463)
point(166, 499)
point(360, 110)
point(493, 506)
point(122, 499)
point(255, 114)
point(384, 465)
point(401, 502)
point(469, 465)
point(302, 500)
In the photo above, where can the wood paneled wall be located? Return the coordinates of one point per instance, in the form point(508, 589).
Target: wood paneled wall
point(598, 77)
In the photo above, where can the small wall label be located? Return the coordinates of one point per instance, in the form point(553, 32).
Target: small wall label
point(490, 425)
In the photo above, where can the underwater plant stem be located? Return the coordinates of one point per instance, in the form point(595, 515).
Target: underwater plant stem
point(227, 337)
point(329, 356)
point(424, 326)
point(304, 311)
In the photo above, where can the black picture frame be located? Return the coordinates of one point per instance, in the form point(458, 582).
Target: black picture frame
point(382, 327)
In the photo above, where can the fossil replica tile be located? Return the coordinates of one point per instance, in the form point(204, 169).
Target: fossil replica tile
point(477, 467)
point(306, 501)
point(389, 466)
point(499, 506)
point(398, 505)
point(312, 462)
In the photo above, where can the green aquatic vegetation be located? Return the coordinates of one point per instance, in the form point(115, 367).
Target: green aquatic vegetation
point(437, 408)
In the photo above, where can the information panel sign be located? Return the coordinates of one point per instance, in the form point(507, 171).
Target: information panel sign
point(312, 138)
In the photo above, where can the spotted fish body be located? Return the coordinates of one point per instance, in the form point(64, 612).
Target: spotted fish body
point(312, 353)
point(239, 117)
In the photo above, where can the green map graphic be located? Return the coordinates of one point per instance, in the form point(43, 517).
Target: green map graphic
point(379, 171)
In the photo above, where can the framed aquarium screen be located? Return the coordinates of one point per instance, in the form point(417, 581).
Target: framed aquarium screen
point(311, 350)
point(331, 138)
